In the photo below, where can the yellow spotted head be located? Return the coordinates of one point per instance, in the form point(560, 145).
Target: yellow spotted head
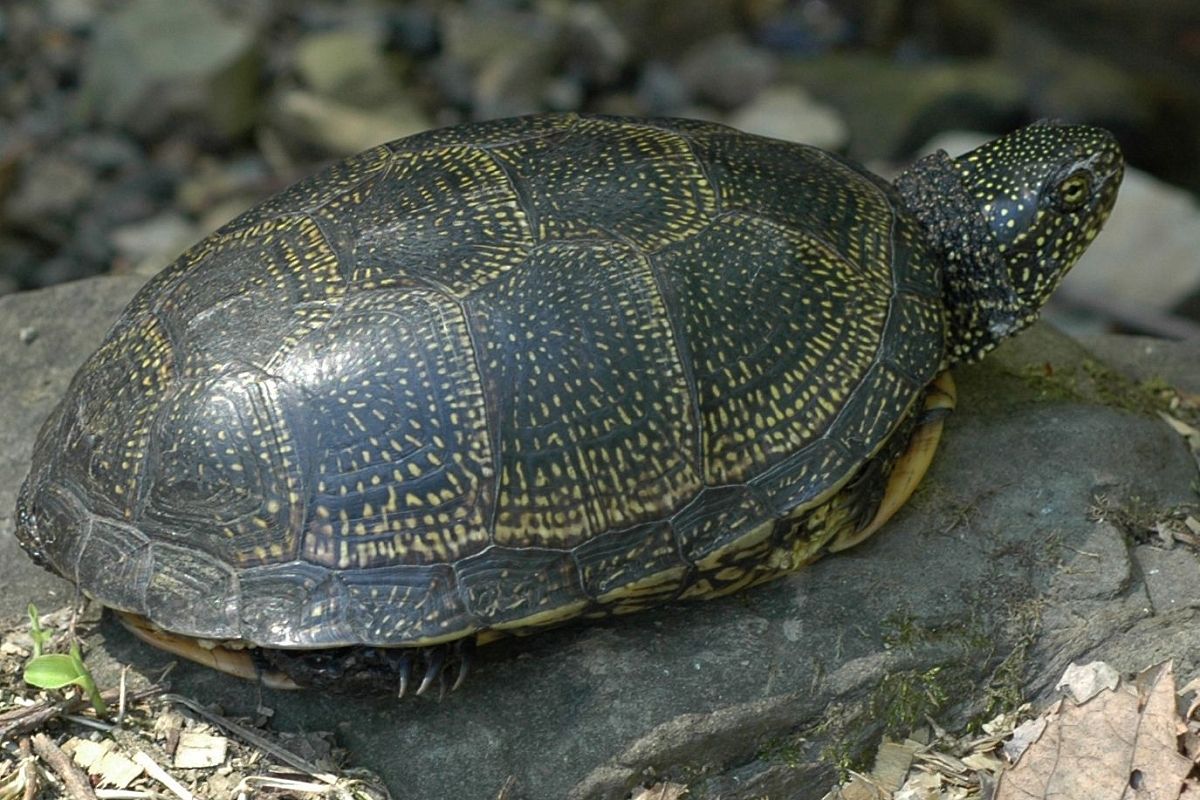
point(1009, 219)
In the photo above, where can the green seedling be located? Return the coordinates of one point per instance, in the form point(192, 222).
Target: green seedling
point(39, 636)
point(56, 670)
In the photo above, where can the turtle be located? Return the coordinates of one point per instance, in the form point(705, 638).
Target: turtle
point(495, 377)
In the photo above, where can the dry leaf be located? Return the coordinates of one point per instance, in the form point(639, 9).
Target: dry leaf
point(1120, 745)
point(1026, 734)
point(983, 762)
point(920, 786)
point(103, 762)
point(1087, 681)
point(861, 787)
point(660, 791)
point(892, 761)
point(1182, 428)
point(196, 750)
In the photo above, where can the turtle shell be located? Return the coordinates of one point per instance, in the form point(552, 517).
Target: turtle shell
point(493, 377)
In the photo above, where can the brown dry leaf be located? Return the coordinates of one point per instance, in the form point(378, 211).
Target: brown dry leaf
point(660, 791)
point(1120, 745)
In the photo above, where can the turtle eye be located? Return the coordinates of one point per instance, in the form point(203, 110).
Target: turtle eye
point(1073, 192)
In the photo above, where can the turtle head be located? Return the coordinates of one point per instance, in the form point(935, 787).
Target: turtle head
point(1009, 219)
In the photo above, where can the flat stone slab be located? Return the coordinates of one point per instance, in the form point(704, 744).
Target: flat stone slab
point(1011, 561)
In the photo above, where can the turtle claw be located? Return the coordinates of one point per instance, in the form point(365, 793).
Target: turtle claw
point(444, 665)
point(465, 650)
point(435, 660)
point(405, 671)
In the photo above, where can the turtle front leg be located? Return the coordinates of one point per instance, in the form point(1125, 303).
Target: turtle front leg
point(908, 470)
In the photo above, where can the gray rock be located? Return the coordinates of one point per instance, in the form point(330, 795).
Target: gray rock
point(727, 70)
point(993, 578)
point(1145, 359)
point(42, 349)
point(788, 112)
point(153, 64)
point(1172, 580)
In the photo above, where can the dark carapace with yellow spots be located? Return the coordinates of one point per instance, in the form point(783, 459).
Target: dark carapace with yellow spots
point(494, 377)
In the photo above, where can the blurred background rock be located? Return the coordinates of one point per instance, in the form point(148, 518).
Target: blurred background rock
point(130, 128)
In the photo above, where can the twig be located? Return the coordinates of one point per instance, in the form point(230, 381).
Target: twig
point(159, 774)
point(73, 778)
point(27, 719)
point(249, 736)
point(88, 722)
point(29, 769)
point(122, 693)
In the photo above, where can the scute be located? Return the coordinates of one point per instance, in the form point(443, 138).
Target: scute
point(493, 377)
point(591, 404)
point(778, 328)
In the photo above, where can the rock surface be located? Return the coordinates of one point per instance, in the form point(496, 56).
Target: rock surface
point(993, 579)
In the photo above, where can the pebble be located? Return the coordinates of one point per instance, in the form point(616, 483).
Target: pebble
point(348, 65)
point(341, 129)
point(596, 49)
point(789, 112)
point(152, 64)
point(50, 189)
point(157, 239)
point(660, 91)
point(727, 70)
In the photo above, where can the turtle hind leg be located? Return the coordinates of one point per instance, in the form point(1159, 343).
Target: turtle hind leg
point(910, 467)
point(443, 666)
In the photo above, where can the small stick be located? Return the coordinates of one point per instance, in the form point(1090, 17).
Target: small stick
point(27, 719)
point(246, 735)
point(72, 776)
point(30, 769)
point(121, 696)
point(159, 774)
